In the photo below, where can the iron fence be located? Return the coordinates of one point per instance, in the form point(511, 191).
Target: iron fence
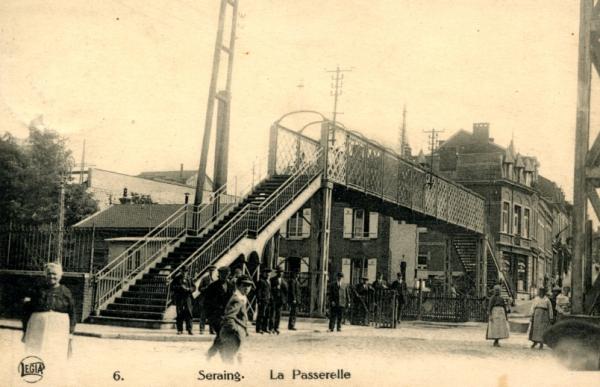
point(450, 309)
point(31, 247)
point(377, 307)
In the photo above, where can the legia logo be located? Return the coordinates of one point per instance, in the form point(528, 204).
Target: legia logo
point(31, 369)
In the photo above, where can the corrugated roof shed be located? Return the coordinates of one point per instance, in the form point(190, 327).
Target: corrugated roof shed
point(130, 216)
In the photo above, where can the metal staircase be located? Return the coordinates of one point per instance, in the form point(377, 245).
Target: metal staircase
point(123, 271)
point(142, 292)
point(465, 246)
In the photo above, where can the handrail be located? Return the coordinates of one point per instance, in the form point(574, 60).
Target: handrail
point(131, 263)
point(137, 244)
point(244, 220)
point(501, 275)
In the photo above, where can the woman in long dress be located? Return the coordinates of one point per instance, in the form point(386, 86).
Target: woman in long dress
point(49, 318)
point(497, 328)
point(541, 316)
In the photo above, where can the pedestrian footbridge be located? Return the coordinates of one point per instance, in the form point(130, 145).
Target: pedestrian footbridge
point(135, 284)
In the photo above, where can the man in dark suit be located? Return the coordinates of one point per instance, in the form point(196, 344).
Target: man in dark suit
point(278, 298)
point(402, 292)
point(293, 299)
point(263, 301)
point(183, 287)
point(339, 300)
point(361, 302)
point(205, 282)
point(216, 297)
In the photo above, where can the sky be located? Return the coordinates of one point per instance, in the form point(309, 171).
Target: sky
point(131, 76)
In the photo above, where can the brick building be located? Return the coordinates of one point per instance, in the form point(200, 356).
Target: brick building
point(525, 211)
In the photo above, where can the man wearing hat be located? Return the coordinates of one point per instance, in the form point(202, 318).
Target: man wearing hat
point(205, 281)
point(360, 308)
point(339, 300)
point(235, 320)
point(263, 301)
point(183, 287)
point(402, 291)
point(293, 298)
point(216, 297)
point(278, 298)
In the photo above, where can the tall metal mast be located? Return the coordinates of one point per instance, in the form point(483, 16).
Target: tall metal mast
point(587, 161)
point(224, 107)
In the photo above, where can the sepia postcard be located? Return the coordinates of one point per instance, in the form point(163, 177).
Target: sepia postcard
point(299, 193)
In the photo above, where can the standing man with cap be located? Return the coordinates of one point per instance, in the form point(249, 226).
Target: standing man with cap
point(293, 296)
point(235, 321)
point(402, 291)
point(278, 298)
point(263, 301)
point(183, 287)
point(205, 281)
point(216, 298)
point(339, 300)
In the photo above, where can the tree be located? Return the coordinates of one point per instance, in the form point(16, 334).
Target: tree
point(30, 175)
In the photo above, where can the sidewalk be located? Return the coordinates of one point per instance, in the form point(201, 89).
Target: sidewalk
point(304, 325)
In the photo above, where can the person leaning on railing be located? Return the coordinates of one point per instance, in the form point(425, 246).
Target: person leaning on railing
point(49, 317)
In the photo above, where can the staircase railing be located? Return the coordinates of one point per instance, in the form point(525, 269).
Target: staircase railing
point(132, 262)
point(251, 218)
point(500, 271)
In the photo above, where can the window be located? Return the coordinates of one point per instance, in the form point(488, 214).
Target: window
point(505, 216)
point(298, 226)
point(360, 224)
point(526, 223)
point(422, 260)
point(517, 220)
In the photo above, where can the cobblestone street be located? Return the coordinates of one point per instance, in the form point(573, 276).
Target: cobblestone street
point(416, 354)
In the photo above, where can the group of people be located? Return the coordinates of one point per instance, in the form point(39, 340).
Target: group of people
point(222, 302)
point(340, 298)
point(271, 295)
point(544, 310)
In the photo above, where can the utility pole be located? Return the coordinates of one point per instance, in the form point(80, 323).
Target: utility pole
point(433, 143)
point(402, 138)
point(336, 89)
point(82, 163)
point(587, 160)
point(61, 222)
point(224, 98)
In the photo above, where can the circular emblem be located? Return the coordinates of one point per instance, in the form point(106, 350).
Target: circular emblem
point(31, 369)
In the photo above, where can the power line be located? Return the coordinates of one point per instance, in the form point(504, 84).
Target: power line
point(337, 86)
point(433, 143)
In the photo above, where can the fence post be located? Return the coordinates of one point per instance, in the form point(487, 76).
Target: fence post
point(420, 301)
point(49, 242)
point(9, 240)
point(91, 268)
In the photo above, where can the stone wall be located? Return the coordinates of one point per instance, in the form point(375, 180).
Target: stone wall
point(15, 285)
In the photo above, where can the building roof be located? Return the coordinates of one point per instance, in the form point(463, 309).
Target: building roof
point(549, 190)
point(181, 177)
point(130, 216)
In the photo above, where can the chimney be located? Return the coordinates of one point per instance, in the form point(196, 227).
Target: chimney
point(481, 132)
point(181, 173)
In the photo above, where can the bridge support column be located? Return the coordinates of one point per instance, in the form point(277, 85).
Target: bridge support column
point(481, 268)
point(319, 258)
point(448, 265)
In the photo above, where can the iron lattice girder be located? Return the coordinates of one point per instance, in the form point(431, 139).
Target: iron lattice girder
point(595, 37)
point(592, 171)
point(360, 164)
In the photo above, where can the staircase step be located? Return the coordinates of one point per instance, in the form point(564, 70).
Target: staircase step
point(132, 314)
point(143, 295)
point(143, 301)
point(137, 307)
